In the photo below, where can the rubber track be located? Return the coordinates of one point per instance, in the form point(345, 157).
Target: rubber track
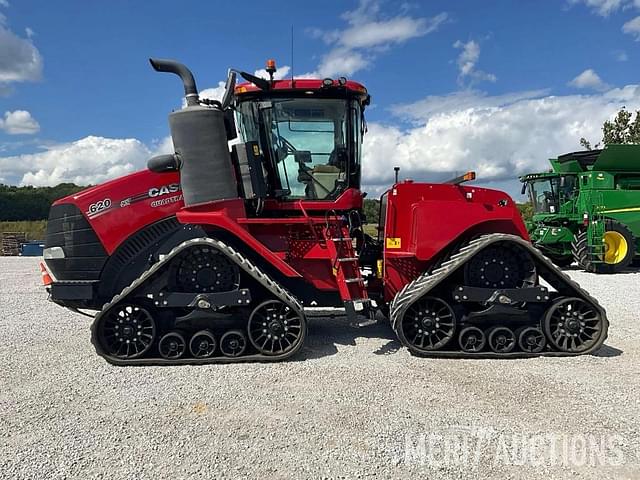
point(423, 284)
point(235, 256)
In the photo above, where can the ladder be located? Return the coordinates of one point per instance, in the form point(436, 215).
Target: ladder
point(346, 268)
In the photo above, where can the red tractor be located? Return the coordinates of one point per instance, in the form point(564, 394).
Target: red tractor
point(219, 254)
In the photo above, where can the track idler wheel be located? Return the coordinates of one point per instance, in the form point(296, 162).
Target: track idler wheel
point(275, 329)
point(572, 325)
point(127, 331)
point(472, 339)
point(428, 324)
point(531, 340)
point(233, 343)
point(501, 339)
point(172, 345)
point(202, 344)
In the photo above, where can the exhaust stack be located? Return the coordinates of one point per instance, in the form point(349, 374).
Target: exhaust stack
point(200, 142)
point(171, 66)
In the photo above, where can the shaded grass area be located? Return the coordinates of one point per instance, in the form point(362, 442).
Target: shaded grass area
point(34, 229)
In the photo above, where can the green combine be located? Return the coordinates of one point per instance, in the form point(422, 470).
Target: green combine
point(587, 208)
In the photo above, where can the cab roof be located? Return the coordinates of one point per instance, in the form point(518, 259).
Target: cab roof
point(302, 85)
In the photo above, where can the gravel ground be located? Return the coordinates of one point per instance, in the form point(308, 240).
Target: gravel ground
point(352, 405)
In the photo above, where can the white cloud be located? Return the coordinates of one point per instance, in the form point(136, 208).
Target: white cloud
point(499, 137)
point(4, 3)
point(588, 79)
point(422, 110)
point(19, 122)
point(632, 27)
point(603, 7)
point(368, 33)
point(86, 161)
point(467, 61)
point(20, 60)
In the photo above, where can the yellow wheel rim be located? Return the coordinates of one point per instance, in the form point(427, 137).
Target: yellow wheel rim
point(615, 247)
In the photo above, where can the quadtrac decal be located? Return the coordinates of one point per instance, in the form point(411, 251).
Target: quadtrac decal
point(158, 194)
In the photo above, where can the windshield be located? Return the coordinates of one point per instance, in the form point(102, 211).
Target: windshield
point(549, 193)
point(307, 139)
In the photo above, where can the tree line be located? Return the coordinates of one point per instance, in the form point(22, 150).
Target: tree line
point(31, 203)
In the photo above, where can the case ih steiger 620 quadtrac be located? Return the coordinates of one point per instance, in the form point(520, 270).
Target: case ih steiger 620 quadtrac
point(215, 254)
point(587, 208)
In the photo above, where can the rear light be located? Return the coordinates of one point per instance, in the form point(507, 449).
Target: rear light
point(46, 278)
point(585, 219)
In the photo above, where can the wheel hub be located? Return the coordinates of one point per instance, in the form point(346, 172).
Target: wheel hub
point(276, 327)
point(494, 272)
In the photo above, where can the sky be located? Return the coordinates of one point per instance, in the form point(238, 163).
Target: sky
point(494, 86)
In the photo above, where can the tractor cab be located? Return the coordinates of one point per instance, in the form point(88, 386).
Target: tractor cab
point(548, 192)
point(308, 133)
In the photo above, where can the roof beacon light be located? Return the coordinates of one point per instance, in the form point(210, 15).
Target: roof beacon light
point(467, 177)
point(271, 67)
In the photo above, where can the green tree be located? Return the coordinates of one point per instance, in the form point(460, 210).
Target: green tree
point(371, 210)
point(624, 128)
point(526, 210)
point(31, 203)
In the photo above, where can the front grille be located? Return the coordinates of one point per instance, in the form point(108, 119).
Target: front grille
point(84, 254)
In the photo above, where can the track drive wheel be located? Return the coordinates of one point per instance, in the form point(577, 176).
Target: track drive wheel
point(427, 325)
point(501, 265)
point(275, 329)
point(127, 331)
point(572, 325)
point(203, 269)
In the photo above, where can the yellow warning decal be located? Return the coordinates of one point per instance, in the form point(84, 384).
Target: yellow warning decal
point(394, 242)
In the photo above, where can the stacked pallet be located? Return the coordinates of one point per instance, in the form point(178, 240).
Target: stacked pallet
point(11, 242)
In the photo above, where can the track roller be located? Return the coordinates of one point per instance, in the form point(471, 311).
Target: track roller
point(501, 339)
point(202, 344)
point(472, 339)
point(572, 325)
point(531, 339)
point(172, 345)
point(233, 343)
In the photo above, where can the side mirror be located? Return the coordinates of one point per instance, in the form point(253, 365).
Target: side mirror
point(524, 189)
point(230, 124)
point(229, 90)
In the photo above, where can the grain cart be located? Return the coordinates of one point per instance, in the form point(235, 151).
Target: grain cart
point(587, 209)
point(219, 254)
